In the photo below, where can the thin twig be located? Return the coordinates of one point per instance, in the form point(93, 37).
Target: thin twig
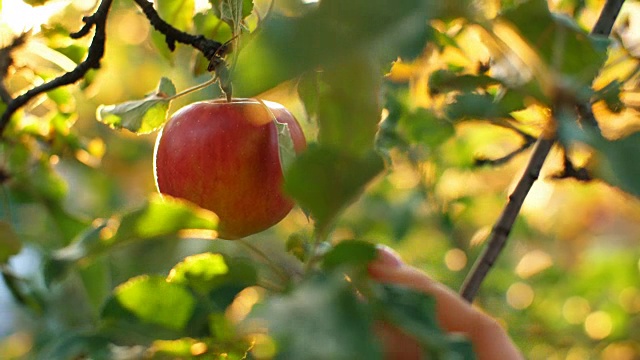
point(603, 27)
point(95, 53)
point(528, 141)
point(502, 228)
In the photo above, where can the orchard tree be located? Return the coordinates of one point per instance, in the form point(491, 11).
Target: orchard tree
point(200, 218)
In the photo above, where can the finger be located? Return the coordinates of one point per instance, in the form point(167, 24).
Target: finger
point(454, 314)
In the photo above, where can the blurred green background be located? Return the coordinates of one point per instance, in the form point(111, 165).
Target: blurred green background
point(566, 287)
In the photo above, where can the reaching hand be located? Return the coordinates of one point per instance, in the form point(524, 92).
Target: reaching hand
point(454, 314)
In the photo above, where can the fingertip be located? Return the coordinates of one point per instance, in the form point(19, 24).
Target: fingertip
point(387, 257)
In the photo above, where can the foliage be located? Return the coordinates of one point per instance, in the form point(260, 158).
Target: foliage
point(418, 114)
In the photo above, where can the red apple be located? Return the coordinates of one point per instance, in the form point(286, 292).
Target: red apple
point(224, 157)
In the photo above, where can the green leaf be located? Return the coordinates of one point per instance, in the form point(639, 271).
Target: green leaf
point(77, 345)
point(309, 92)
point(615, 161)
point(559, 41)
point(324, 180)
point(156, 219)
point(424, 127)
point(349, 106)
point(320, 319)
point(470, 106)
point(152, 299)
point(350, 253)
point(9, 242)
point(414, 312)
point(611, 96)
point(140, 116)
point(286, 150)
point(207, 271)
point(442, 81)
point(231, 12)
point(332, 33)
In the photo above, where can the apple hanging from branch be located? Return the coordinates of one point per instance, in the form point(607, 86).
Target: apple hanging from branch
point(228, 157)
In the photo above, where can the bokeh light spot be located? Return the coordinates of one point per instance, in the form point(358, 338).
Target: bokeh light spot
point(598, 325)
point(520, 295)
point(619, 351)
point(575, 309)
point(629, 299)
point(132, 28)
point(532, 263)
point(455, 259)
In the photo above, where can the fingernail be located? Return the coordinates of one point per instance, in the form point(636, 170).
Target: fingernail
point(387, 256)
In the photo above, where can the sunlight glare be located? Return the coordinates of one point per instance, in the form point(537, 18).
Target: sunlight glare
point(20, 17)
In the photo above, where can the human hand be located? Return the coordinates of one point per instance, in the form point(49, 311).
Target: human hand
point(454, 314)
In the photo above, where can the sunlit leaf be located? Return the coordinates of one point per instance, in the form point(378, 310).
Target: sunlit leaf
point(231, 12)
point(154, 300)
point(332, 33)
point(320, 319)
point(206, 272)
point(140, 116)
point(156, 219)
point(324, 180)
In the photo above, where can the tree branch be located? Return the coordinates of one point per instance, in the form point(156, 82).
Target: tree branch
point(502, 228)
point(172, 35)
point(6, 60)
point(96, 51)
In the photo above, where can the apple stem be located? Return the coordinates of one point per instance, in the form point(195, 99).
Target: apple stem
point(194, 88)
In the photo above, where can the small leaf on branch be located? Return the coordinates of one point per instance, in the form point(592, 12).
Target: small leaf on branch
point(140, 116)
point(232, 12)
point(614, 161)
point(442, 81)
